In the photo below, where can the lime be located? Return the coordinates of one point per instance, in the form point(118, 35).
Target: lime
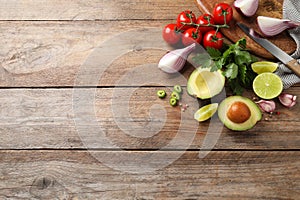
point(267, 85)
point(206, 112)
point(264, 66)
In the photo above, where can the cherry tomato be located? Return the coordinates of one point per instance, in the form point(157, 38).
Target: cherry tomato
point(171, 34)
point(213, 39)
point(186, 16)
point(205, 19)
point(191, 36)
point(221, 10)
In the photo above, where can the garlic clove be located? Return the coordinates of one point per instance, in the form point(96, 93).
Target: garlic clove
point(267, 106)
point(174, 61)
point(288, 100)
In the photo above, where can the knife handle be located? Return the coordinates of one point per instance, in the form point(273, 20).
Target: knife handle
point(294, 66)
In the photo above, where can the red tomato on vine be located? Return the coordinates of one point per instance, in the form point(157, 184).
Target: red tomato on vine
point(190, 36)
point(213, 39)
point(204, 20)
point(222, 13)
point(186, 16)
point(171, 34)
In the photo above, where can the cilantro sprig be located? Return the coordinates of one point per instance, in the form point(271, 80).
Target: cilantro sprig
point(234, 61)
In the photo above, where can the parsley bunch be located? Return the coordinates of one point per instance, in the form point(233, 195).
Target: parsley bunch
point(234, 61)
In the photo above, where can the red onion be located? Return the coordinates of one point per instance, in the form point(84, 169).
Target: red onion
point(287, 100)
point(272, 26)
point(267, 106)
point(246, 7)
point(174, 60)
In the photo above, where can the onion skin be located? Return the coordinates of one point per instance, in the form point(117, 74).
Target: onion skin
point(273, 26)
point(247, 8)
point(174, 61)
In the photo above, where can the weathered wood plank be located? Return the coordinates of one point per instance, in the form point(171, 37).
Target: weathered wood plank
point(53, 54)
point(60, 118)
point(92, 9)
point(220, 175)
point(38, 54)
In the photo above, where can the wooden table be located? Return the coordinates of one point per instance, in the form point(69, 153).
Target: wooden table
point(65, 136)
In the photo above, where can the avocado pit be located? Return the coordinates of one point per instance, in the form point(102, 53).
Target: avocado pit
point(238, 112)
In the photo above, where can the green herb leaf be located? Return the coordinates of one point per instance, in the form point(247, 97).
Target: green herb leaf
point(231, 71)
point(235, 62)
point(241, 42)
point(220, 63)
point(242, 57)
point(202, 60)
point(214, 67)
point(243, 73)
point(236, 87)
point(214, 53)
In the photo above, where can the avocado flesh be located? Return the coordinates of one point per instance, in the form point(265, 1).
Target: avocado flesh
point(205, 84)
point(255, 116)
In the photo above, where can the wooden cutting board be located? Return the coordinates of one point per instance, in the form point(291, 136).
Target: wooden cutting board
point(270, 8)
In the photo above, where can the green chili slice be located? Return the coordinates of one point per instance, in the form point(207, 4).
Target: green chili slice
point(178, 89)
point(161, 93)
point(173, 101)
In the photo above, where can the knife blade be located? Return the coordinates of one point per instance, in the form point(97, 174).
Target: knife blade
point(286, 59)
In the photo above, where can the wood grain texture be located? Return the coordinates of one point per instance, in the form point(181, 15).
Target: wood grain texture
point(220, 175)
point(47, 54)
point(51, 118)
point(51, 54)
point(46, 125)
point(92, 9)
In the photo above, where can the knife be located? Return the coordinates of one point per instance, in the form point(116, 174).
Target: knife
point(290, 62)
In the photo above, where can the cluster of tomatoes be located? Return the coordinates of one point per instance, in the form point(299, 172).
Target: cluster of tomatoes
point(203, 30)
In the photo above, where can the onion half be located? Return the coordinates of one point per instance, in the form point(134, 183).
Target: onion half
point(246, 7)
point(174, 61)
point(272, 26)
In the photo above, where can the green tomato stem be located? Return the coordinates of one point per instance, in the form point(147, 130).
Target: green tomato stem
point(218, 26)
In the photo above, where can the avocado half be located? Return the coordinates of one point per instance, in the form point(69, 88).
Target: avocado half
point(205, 84)
point(224, 106)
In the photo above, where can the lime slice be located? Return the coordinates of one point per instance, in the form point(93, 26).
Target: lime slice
point(206, 112)
point(267, 85)
point(264, 66)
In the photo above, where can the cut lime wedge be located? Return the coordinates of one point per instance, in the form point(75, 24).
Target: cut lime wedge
point(264, 66)
point(267, 85)
point(206, 112)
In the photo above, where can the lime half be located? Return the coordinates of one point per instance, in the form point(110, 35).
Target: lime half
point(267, 85)
point(206, 112)
point(264, 66)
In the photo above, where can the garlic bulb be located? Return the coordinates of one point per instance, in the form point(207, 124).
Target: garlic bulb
point(174, 60)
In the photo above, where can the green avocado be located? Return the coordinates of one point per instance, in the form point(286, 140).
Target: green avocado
point(205, 84)
point(225, 106)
